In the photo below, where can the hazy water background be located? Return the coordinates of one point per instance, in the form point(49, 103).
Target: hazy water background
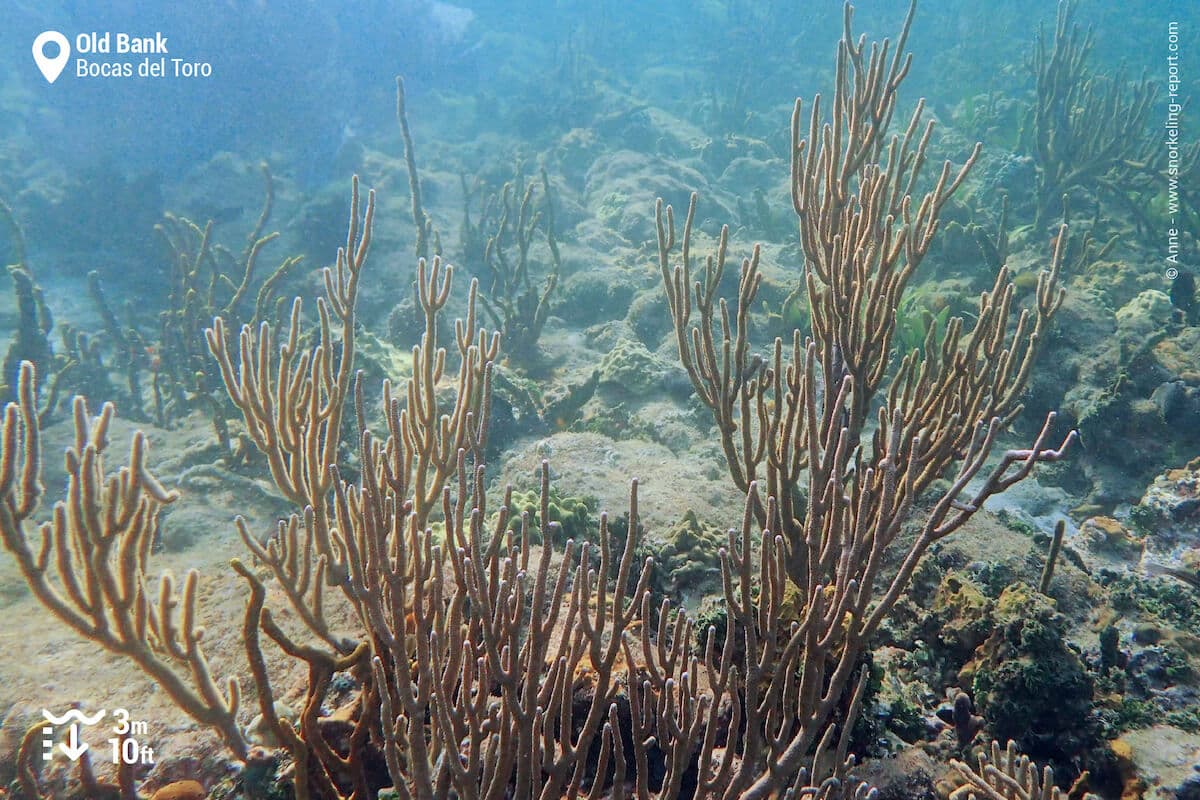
point(95, 162)
point(308, 74)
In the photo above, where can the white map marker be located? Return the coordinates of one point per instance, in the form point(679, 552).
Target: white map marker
point(51, 67)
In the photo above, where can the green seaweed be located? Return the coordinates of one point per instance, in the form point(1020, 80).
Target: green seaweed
point(1167, 600)
point(1031, 685)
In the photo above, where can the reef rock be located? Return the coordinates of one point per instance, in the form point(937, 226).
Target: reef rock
point(1165, 759)
point(1144, 315)
point(1030, 684)
point(1109, 537)
point(632, 369)
point(1179, 355)
point(1170, 508)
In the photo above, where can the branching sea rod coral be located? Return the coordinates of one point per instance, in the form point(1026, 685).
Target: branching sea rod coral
point(797, 422)
point(202, 278)
point(495, 668)
point(1005, 774)
point(293, 412)
point(515, 304)
point(88, 563)
point(486, 666)
point(488, 657)
point(206, 279)
point(1093, 132)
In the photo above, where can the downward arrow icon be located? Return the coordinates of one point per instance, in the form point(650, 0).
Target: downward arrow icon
point(73, 747)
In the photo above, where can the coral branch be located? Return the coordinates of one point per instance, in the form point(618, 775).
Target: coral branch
point(88, 564)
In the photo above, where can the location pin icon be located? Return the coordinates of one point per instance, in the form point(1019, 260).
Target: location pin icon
point(51, 66)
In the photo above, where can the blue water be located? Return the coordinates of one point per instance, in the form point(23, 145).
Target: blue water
point(302, 75)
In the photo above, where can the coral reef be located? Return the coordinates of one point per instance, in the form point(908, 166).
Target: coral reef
point(207, 280)
point(1029, 684)
point(794, 421)
point(850, 441)
point(517, 306)
point(1005, 773)
point(88, 565)
point(1091, 131)
point(685, 558)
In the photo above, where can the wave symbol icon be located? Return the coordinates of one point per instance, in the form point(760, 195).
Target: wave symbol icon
point(73, 714)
